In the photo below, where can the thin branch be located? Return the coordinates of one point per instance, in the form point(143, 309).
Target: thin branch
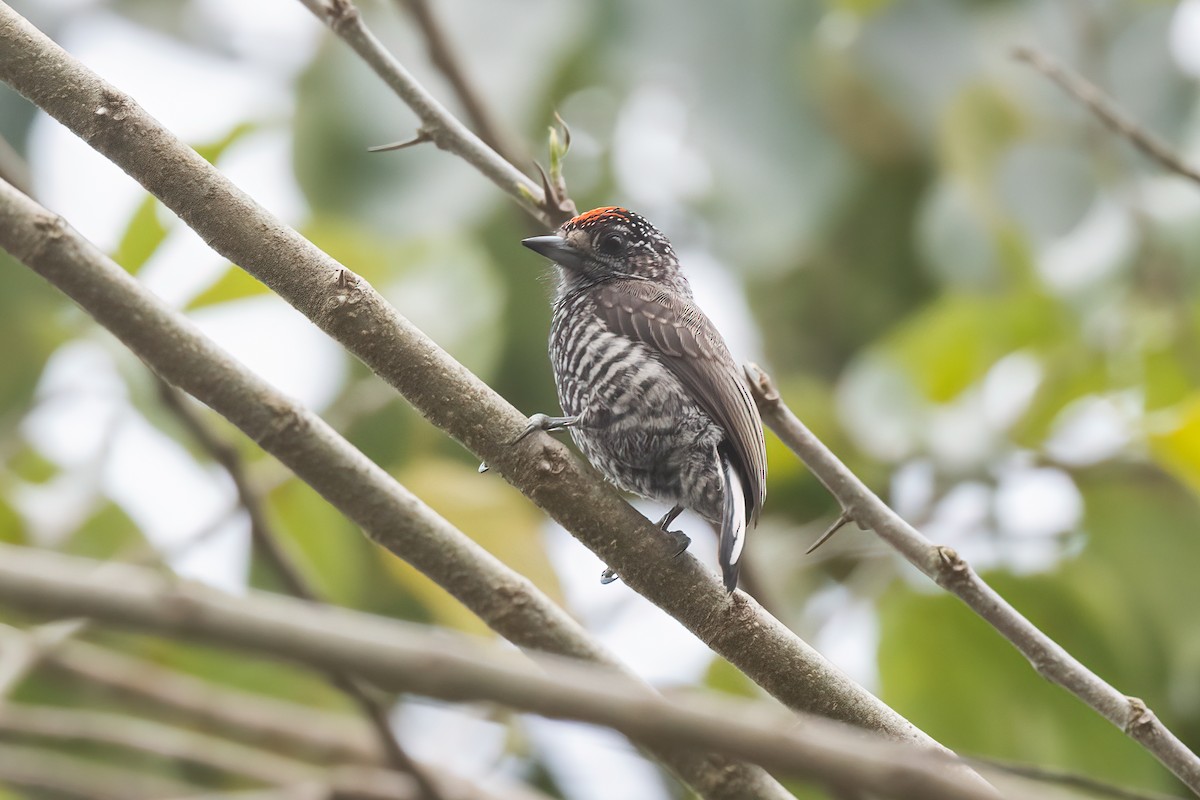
point(444, 57)
point(164, 741)
point(442, 389)
point(360, 489)
point(321, 736)
point(14, 168)
point(944, 566)
point(1106, 110)
point(1069, 779)
point(87, 779)
point(459, 668)
point(443, 128)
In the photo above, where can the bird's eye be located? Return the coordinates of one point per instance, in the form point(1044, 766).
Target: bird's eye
point(612, 244)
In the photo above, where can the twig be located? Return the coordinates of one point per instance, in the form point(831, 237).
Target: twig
point(952, 573)
point(1106, 110)
point(459, 668)
point(1074, 780)
point(439, 125)
point(321, 736)
point(165, 741)
point(360, 489)
point(68, 776)
point(444, 57)
point(21, 652)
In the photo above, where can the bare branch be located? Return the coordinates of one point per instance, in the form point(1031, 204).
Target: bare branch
point(439, 125)
point(1106, 110)
point(321, 736)
point(87, 779)
point(952, 573)
point(165, 741)
point(458, 668)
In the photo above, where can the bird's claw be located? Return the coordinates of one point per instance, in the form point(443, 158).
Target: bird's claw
point(537, 422)
point(681, 540)
point(608, 576)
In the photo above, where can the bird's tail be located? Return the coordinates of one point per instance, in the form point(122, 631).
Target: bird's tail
point(733, 523)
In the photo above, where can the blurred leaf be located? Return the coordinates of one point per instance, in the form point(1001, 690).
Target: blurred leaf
point(953, 341)
point(492, 513)
point(142, 237)
point(31, 466)
point(728, 679)
point(1178, 449)
point(328, 548)
point(12, 527)
point(212, 151)
point(108, 533)
point(979, 124)
point(234, 284)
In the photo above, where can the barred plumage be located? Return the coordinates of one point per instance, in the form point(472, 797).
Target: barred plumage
point(650, 392)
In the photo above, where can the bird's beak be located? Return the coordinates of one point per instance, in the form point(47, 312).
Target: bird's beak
point(556, 249)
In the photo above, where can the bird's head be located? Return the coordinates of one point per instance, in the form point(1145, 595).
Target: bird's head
point(607, 243)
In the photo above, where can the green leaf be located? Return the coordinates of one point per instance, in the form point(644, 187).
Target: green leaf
point(212, 151)
point(492, 513)
point(108, 533)
point(1177, 448)
point(953, 341)
point(234, 284)
point(143, 236)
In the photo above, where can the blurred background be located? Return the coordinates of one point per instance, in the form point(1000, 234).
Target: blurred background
point(982, 301)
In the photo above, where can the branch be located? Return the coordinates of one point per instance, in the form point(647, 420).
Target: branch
point(945, 567)
point(14, 168)
point(439, 125)
point(293, 578)
point(321, 736)
point(1106, 110)
point(365, 493)
point(87, 779)
point(443, 56)
point(457, 668)
point(350, 311)
point(165, 741)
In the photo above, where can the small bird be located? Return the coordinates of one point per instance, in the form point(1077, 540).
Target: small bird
point(648, 388)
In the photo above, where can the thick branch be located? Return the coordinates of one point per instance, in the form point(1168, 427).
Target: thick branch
point(1106, 110)
point(361, 490)
point(443, 390)
point(457, 668)
point(952, 573)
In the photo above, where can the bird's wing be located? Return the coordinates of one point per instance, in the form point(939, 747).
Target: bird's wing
point(689, 345)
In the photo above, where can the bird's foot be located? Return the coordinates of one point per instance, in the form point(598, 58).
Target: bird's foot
point(681, 541)
point(544, 422)
point(608, 576)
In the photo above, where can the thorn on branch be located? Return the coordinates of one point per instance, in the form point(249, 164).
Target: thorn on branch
point(837, 525)
point(421, 138)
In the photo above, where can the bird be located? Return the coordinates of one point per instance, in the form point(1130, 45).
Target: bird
point(649, 390)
